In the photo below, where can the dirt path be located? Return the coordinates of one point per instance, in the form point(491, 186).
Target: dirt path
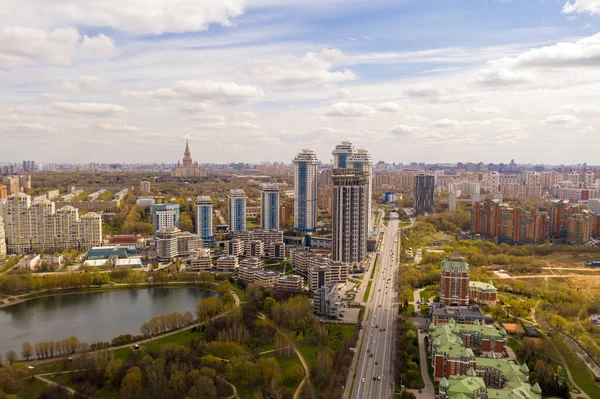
point(306, 379)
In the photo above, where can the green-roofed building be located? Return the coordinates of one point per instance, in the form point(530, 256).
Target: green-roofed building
point(484, 293)
point(454, 283)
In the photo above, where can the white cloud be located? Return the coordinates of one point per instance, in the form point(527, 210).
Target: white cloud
point(581, 53)
point(560, 119)
point(499, 78)
point(587, 129)
point(21, 46)
point(343, 93)
point(246, 125)
point(350, 110)
point(582, 6)
point(87, 109)
point(576, 109)
point(389, 106)
point(107, 127)
point(446, 123)
point(313, 68)
point(138, 17)
point(485, 110)
point(95, 47)
point(226, 92)
point(404, 130)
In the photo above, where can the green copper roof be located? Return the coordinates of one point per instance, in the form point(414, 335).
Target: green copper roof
point(471, 372)
point(486, 287)
point(455, 262)
point(524, 368)
point(444, 382)
point(536, 388)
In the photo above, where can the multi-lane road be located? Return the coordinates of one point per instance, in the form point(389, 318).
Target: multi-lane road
point(374, 374)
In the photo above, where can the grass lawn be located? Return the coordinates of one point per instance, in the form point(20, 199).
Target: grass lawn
point(240, 293)
point(404, 224)
point(367, 292)
point(513, 344)
point(579, 371)
point(32, 389)
point(430, 291)
point(183, 338)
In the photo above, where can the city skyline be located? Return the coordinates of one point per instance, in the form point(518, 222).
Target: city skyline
point(255, 80)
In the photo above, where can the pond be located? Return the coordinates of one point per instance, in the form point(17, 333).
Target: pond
point(91, 316)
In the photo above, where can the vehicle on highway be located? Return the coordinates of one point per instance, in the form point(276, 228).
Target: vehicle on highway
point(363, 380)
point(378, 378)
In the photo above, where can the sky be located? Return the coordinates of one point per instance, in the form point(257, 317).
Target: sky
point(259, 80)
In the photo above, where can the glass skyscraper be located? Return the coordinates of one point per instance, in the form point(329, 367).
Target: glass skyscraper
point(237, 210)
point(305, 191)
point(269, 206)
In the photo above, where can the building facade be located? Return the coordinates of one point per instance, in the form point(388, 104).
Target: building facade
point(350, 216)
point(305, 191)
point(35, 227)
point(164, 216)
point(269, 203)
point(172, 242)
point(341, 155)
point(424, 190)
point(2, 240)
point(237, 210)
point(204, 218)
point(187, 168)
point(362, 160)
point(145, 186)
point(454, 283)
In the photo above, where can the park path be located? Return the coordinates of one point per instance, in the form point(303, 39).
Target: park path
point(429, 390)
point(306, 379)
point(49, 382)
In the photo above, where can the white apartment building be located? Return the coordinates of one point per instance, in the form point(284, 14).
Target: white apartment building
point(289, 283)
point(2, 240)
point(36, 227)
point(248, 273)
point(302, 259)
point(254, 248)
point(251, 262)
point(172, 242)
point(266, 278)
point(145, 186)
point(227, 263)
point(235, 247)
point(323, 271)
point(361, 159)
point(200, 260)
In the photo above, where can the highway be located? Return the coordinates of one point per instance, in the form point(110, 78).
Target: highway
point(374, 373)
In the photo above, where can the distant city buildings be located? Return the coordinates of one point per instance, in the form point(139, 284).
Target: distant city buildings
point(423, 194)
point(269, 202)
point(145, 186)
point(305, 191)
point(187, 168)
point(389, 197)
point(237, 210)
point(37, 226)
point(3, 191)
point(350, 216)
point(204, 218)
point(165, 216)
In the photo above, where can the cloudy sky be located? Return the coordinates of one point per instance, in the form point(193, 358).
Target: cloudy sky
point(258, 80)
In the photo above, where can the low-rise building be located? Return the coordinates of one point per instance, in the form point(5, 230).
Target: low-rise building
point(172, 242)
point(289, 283)
point(454, 346)
point(200, 260)
point(235, 247)
point(323, 271)
point(254, 248)
point(251, 262)
point(266, 278)
point(53, 260)
point(441, 314)
point(302, 258)
point(227, 263)
point(472, 386)
point(327, 301)
point(485, 293)
point(29, 262)
point(248, 273)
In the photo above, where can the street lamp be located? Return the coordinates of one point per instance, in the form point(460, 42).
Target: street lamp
point(31, 368)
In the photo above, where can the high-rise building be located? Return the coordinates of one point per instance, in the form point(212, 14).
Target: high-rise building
point(13, 184)
point(2, 240)
point(341, 153)
point(145, 186)
point(305, 191)
point(3, 191)
point(285, 212)
point(38, 227)
point(454, 283)
point(164, 216)
point(350, 216)
point(204, 217)
point(237, 210)
point(269, 206)
point(361, 159)
point(424, 186)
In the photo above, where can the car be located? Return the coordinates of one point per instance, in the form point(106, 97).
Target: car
point(374, 378)
point(379, 305)
point(372, 325)
point(136, 346)
point(378, 378)
point(386, 309)
point(376, 363)
point(371, 354)
point(377, 326)
point(363, 380)
point(368, 350)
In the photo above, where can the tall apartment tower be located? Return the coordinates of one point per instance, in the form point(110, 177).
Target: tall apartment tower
point(305, 191)
point(350, 216)
point(454, 283)
point(269, 206)
point(2, 240)
point(341, 153)
point(237, 210)
point(424, 186)
point(361, 159)
point(164, 216)
point(204, 218)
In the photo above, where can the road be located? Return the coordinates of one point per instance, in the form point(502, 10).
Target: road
point(377, 371)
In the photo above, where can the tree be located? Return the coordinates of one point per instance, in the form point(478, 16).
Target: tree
point(204, 387)
point(131, 387)
point(177, 383)
point(268, 304)
point(53, 391)
point(112, 370)
point(27, 350)
point(145, 329)
point(294, 375)
point(11, 357)
point(189, 317)
point(209, 307)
